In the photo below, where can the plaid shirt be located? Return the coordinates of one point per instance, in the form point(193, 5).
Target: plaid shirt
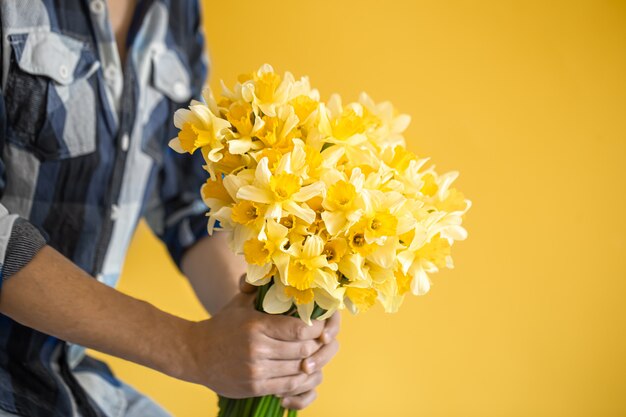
point(84, 156)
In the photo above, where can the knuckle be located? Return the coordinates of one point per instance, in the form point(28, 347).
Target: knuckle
point(316, 379)
point(255, 388)
point(253, 327)
point(254, 372)
point(300, 332)
point(292, 384)
point(305, 350)
point(256, 350)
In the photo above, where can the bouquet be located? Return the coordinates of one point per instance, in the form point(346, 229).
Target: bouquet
point(328, 207)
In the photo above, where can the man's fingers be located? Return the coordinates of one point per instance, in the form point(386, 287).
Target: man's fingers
point(308, 384)
point(299, 402)
point(289, 386)
point(246, 287)
point(291, 328)
point(281, 350)
point(277, 369)
point(331, 329)
point(320, 358)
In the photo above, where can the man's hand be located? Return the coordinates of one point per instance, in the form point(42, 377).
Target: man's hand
point(242, 353)
point(327, 351)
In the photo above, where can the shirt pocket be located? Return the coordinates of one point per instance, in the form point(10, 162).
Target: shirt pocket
point(169, 87)
point(51, 95)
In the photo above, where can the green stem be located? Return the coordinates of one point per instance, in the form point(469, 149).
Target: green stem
point(223, 402)
point(273, 412)
point(248, 407)
point(260, 410)
point(292, 413)
point(230, 403)
point(236, 407)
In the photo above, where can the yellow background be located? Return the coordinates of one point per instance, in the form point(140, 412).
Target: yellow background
point(527, 99)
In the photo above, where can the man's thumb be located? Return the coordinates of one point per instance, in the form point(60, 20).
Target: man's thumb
point(246, 287)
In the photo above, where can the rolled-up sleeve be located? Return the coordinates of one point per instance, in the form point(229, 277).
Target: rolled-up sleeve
point(19, 239)
point(176, 212)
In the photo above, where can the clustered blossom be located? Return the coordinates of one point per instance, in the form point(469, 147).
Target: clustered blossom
point(323, 199)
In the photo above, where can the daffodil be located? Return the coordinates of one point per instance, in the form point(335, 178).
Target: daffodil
point(199, 127)
point(267, 90)
point(246, 125)
point(344, 202)
point(265, 252)
point(322, 198)
point(308, 267)
point(283, 192)
point(280, 298)
point(360, 299)
point(389, 126)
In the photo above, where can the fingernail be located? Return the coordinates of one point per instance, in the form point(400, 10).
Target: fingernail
point(309, 366)
point(284, 403)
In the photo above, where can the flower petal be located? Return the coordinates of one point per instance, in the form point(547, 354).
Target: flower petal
point(305, 311)
point(273, 304)
point(175, 145)
point(420, 284)
point(256, 273)
point(304, 213)
point(308, 192)
point(256, 194)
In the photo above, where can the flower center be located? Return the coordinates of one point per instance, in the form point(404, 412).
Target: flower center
point(284, 186)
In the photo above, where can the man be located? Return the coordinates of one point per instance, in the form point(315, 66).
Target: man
point(88, 92)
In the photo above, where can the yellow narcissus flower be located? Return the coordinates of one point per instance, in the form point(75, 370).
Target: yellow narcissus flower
point(282, 192)
point(392, 290)
point(216, 198)
point(199, 127)
point(304, 107)
point(328, 207)
point(427, 252)
point(280, 298)
point(389, 125)
point(246, 213)
point(264, 252)
point(245, 126)
point(308, 267)
point(278, 131)
point(360, 299)
point(380, 219)
point(344, 202)
point(267, 90)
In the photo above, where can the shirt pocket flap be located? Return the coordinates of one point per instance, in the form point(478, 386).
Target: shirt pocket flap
point(53, 55)
point(170, 76)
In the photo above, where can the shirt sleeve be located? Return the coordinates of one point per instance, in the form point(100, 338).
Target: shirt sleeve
point(176, 212)
point(19, 239)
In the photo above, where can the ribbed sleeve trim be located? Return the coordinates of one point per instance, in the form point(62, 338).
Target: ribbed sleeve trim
point(24, 243)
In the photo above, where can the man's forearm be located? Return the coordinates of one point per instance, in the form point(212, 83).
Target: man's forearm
point(213, 271)
point(52, 295)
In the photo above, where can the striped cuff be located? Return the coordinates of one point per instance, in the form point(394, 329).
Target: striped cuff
point(24, 243)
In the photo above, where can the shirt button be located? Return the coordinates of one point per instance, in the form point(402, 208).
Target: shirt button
point(180, 89)
point(115, 212)
point(125, 142)
point(110, 73)
point(97, 6)
point(64, 72)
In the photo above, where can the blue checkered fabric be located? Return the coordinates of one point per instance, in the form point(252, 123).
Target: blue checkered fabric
point(84, 156)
